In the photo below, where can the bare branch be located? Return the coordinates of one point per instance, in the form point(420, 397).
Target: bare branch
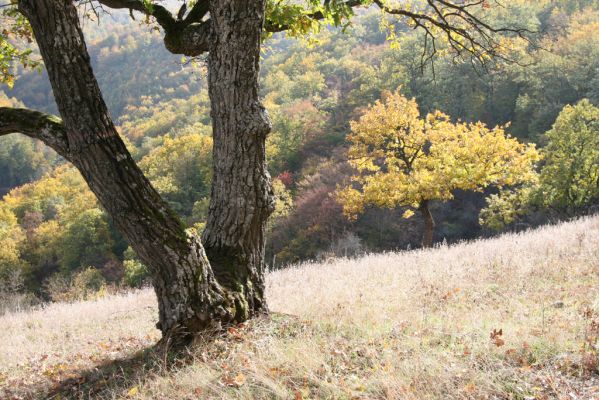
point(465, 32)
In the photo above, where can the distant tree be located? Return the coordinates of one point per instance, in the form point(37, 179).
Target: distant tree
point(87, 241)
point(569, 179)
point(63, 226)
point(284, 202)
point(559, 77)
point(11, 236)
point(316, 219)
point(181, 170)
point(19, 163)
point(404, 160)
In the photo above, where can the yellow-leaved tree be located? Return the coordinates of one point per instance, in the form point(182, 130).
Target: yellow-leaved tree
point(402, 159)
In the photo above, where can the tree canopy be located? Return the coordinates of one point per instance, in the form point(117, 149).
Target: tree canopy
point(403, 159)
point(568, 181)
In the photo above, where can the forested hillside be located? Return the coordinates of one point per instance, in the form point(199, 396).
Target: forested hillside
point(58, 243)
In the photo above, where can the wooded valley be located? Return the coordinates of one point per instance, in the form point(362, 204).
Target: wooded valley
point(54, 231)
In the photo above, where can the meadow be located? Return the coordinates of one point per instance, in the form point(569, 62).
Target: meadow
point(512, 317)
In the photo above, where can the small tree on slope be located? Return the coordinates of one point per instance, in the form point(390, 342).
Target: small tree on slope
point(404, 160)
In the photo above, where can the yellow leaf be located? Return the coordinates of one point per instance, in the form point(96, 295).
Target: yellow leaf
point(239, 379)
point(133, 391)
point(470, 388)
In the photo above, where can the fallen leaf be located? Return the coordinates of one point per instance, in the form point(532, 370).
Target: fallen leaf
point(133, 391)
point(496, 337)
point(239, 379)
point(470, 388)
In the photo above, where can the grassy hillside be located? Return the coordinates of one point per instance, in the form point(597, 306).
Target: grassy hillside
point(515, 317)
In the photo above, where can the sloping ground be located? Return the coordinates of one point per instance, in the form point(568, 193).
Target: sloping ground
point(515, 317)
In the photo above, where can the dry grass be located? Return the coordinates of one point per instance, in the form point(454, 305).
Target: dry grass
point(412, 325)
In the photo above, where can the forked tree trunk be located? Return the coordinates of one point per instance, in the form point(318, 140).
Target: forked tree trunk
point(190, 299)
point(241, 199)
point(429, 224)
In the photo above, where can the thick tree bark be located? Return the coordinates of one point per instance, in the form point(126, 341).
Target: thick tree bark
point(189, 297)
point(242, 197)
point(37, 125)
point(429, 224)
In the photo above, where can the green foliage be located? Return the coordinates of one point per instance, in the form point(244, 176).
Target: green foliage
point(86, 241)
point(15, 29)
point(22, 161)
point(87, 281)
point(294, 125)
point(569, 178)
point(181, 170)
point(136, 274)
point(296, 16)
point(568, 181)
point(506, 207)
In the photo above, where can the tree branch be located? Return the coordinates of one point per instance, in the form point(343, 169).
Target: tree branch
point(190, 40)
point(199, 11)
point(47, 128)
point(464, 30)
point(188, 36)
point(162, 15)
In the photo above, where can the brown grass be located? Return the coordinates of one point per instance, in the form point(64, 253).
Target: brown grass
point(411, 325)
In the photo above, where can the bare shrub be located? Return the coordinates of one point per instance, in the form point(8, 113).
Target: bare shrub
point(13, 298)
point(84, 285)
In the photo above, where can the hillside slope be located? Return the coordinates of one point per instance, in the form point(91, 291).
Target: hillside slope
point(516, 317)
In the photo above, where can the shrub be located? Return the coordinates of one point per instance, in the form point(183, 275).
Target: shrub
point(136, 273)
point(12, 295)
point(87, 283)
point(84, 285)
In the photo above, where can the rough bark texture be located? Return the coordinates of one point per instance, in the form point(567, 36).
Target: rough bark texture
point(189, 297)
point(429, 224)
point(35, 124)
point(242, 197)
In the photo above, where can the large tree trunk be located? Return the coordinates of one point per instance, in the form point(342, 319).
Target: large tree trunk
point(189, 297)
point(241, 198)
point(429, 224)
